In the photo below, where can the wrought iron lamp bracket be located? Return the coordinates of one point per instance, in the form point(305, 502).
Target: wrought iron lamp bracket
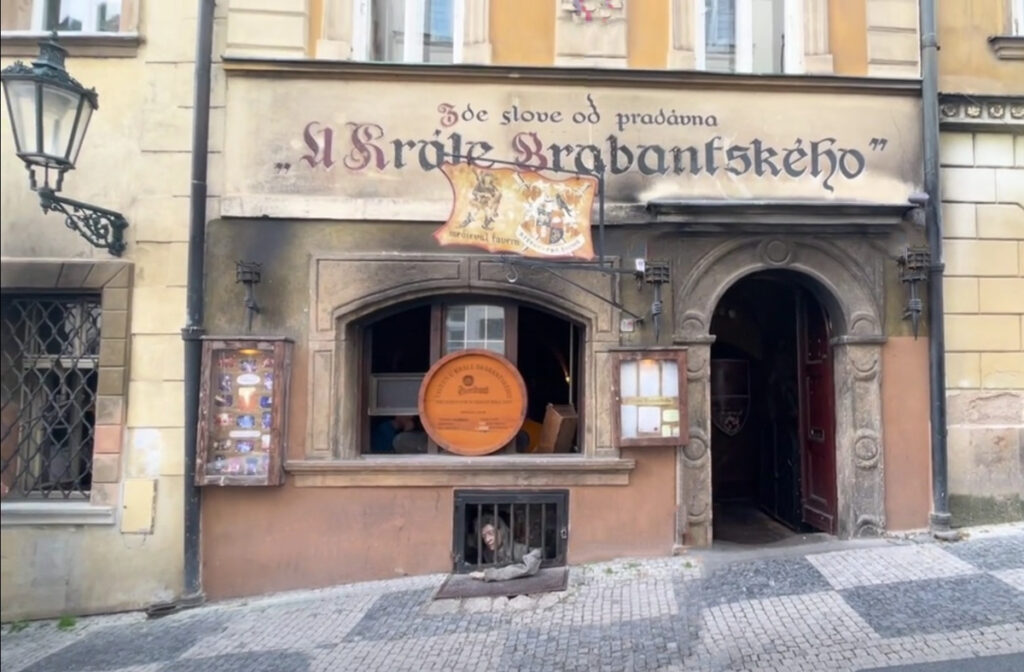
point(913, 264)
point(249, 274)
point(101, 227)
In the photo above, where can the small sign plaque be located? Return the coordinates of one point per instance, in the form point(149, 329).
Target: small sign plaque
point(472, 402)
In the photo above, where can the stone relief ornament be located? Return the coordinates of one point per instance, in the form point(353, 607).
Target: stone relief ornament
point(776, 253)
point(866, 449)
point(586, 11)
point(996, 110)
point(868, 526)
point(696, 449)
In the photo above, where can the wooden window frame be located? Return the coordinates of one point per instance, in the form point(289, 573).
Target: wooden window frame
point(677, 355)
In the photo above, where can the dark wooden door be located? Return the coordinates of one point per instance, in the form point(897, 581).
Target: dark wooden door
point(817, 416)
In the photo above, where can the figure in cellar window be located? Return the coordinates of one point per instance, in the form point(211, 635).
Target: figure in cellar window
point(500, 548)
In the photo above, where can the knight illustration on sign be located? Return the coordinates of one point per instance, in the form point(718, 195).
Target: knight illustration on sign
point(484, 200)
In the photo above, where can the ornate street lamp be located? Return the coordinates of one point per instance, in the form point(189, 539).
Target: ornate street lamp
point(50, 112)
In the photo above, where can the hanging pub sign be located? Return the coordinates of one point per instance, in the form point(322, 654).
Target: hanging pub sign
point(730, 394)
point(243, 411)
point(519, 212)
point(650, 398)
point(472, 402)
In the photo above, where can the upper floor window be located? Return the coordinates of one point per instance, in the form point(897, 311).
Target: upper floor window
point(749, 36)
point(64, 16)
point(406, 31)
point(720, 34)
point(1017, 17)
point(77, 16)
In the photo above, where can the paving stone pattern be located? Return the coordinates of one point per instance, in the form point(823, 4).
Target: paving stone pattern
point(894, 604)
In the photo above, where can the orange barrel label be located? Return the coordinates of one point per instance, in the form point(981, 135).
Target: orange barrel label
point(472, 402)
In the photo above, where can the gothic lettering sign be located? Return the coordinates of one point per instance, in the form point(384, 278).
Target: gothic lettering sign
point(507, 210)
point(375, 149)
point(472, 402)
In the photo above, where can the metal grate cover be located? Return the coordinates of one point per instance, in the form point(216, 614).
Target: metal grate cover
point(534, 519)
point(49, 359)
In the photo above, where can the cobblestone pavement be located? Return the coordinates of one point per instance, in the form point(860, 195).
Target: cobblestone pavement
point(842, 606)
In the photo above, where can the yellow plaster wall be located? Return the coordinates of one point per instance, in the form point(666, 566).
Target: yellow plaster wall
point(983, 217)
point(523, 33)
point(848, 37)
point(135, 160)
point(648, 33)
point(967, 63)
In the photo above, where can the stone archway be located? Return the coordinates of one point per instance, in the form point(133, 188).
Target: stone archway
point(850, 286)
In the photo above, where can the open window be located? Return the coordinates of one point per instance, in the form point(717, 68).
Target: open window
point(406, 31)
point(749, 35)
point(400, 346)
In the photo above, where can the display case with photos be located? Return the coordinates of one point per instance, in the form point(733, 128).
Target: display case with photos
point(243, 411)
point(650, 398)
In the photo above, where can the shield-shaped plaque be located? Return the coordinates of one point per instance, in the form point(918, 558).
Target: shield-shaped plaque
point(730, 394)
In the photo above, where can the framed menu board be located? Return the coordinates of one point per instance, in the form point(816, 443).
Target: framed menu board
point(649, 397)
point(243, 411)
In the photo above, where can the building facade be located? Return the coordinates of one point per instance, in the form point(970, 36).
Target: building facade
point(92, 398)
point(754, 234)
point(981, 78)
point(758, 158)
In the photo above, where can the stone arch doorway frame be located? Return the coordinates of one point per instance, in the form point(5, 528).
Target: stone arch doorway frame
point(851, 289)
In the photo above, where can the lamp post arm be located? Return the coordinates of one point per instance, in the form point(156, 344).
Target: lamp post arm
point(101, 227)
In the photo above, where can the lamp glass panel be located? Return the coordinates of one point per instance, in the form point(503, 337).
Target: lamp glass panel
point(83, 126)
point(21, 96)
point(60, 106)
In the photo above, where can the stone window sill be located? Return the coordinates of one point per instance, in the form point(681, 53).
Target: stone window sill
point(104, 45)
point(1008, 47)
point(444, 470)
point(55, 513)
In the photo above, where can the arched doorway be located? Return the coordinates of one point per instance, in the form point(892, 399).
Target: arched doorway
point(773, 420)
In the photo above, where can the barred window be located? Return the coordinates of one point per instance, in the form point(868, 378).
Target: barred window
point(48, 373)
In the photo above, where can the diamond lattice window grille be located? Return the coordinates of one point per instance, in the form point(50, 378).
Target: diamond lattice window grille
point(49, 363)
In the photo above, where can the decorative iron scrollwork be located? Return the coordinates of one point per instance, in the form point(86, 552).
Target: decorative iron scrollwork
point(101, 227)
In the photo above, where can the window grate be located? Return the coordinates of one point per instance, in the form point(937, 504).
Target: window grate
point(534, 519)
point(48, 373)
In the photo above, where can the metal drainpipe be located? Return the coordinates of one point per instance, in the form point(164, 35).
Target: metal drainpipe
point(193, 330)
point(940, 517)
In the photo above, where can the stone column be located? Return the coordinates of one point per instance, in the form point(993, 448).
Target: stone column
point(859, 456)
point(817, 54)
point(693, 463)
point(681, 53)
point(476, 38)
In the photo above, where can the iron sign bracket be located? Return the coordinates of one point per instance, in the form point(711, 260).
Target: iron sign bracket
point(655, 273)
